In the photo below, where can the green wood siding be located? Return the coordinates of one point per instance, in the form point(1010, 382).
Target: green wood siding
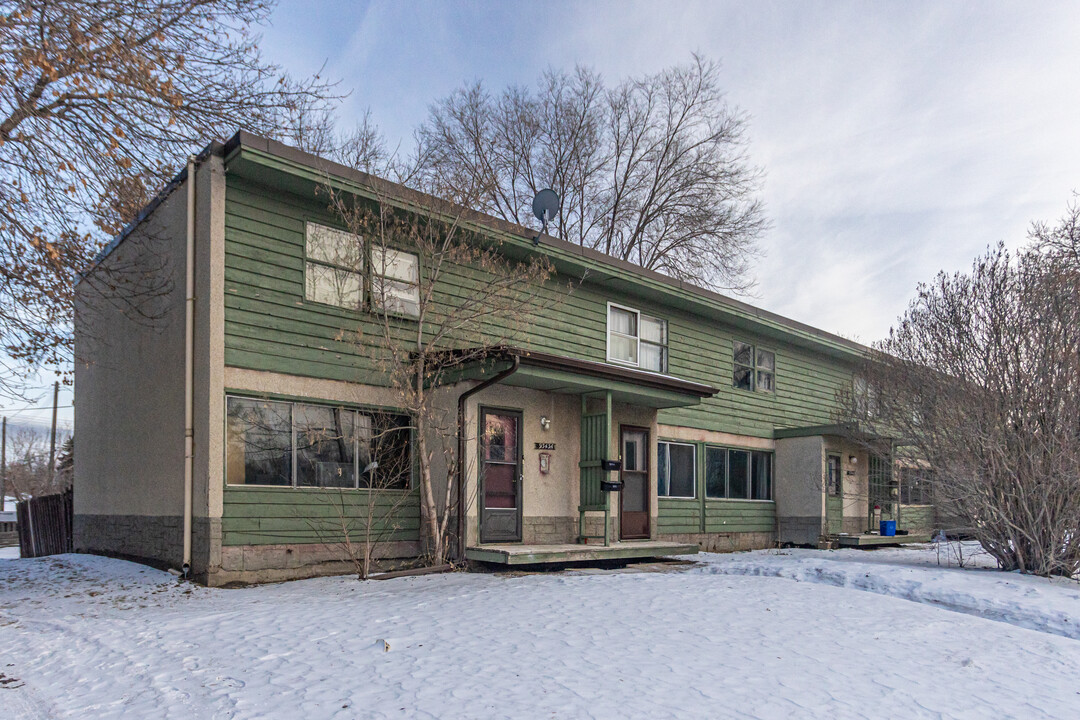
point(740, 516)
point(917, 517)
point(272, 516)
point(678, 516)
point(269, 326)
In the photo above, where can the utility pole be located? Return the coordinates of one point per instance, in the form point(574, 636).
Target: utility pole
point(52, 440)
point(3, 464)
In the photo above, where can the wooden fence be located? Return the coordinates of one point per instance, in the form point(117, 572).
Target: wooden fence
point(44, 525)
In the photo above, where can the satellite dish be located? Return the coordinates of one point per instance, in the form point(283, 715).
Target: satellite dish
point(545, 208)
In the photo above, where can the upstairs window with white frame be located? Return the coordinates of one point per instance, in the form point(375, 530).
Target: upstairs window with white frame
point(637, 339)
point(395, 282)
point(753, 368)
point(334, 268)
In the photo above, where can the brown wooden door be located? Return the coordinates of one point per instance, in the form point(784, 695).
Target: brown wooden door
point(634, 503)
point(500, 476)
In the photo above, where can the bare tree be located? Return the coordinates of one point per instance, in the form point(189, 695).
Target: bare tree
point(442, 296)
point(981, 378)
point(652, 171)
point(28, 464)
point(100, 101)
point(359, 525)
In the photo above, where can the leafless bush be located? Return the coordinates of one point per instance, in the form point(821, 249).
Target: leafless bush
point(981, 378)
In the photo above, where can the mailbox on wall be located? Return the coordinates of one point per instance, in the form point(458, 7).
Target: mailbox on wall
point(610, 465)
point(611, 485)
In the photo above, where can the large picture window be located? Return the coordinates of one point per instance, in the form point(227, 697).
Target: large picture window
point(308, 445)
point(738, 474)
point(753, 368)
point(637, 339)
point(334, 271)
point(676, 470)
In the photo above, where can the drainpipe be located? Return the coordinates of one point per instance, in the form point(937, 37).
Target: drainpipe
point(460, 480)
point(189, 364)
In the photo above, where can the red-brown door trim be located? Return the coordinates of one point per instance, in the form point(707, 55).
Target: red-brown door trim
point(648, 484)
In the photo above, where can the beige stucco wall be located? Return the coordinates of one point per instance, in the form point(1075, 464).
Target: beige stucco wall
point(129, 376)
point(799, 489)
point(855, 481)
point(209, 340)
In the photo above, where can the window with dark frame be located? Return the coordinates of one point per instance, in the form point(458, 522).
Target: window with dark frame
point(753, 368)
point(676, 470)
point(734, 474)
point(835, 483)
point(314, 445)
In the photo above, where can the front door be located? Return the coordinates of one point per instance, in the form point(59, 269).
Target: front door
point(834, 498)
point(500, 476)
point(634, 507)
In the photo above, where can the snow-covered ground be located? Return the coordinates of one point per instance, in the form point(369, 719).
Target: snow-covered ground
point(752, 635)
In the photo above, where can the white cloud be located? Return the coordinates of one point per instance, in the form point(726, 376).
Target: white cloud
point(898, 138)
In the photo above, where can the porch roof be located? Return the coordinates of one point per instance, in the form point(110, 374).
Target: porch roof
point(572, 376)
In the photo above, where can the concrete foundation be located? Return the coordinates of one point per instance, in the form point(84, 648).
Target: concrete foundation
point(153, 539)
point(725, 542)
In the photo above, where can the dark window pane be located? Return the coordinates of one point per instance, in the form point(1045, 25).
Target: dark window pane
point(715, 472)
point(663, 487)
point(743, 378)
point(743, 354)
point(834, 484)
point(681, 470)
point(500, 438)
point(325, 446)
point(386, 461)
point(738, 474)
point(761, 470)
point(766, 360)
point(259, 443)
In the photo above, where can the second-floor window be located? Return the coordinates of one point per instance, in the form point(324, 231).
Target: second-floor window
point(334, 271)
point(637, 339)
point(753, 368)
point(395, 282)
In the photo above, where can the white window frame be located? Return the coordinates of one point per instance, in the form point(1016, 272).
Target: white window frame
point(607, 327)
point(694, 484)
point(377, 276)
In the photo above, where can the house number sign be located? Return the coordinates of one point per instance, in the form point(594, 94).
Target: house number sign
point(545, 446)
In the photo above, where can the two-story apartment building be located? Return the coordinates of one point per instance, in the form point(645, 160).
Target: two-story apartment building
point(195, 429)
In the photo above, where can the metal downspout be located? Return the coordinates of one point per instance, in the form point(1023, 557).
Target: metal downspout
point(189, 364)
point(459, 482)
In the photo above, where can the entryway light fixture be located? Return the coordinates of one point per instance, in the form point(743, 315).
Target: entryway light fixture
point(545, 422)
point(853, 460)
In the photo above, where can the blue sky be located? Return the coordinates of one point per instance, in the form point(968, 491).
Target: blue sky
point(898, 138)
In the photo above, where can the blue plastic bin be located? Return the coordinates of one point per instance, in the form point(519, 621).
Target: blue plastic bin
point(888, 528)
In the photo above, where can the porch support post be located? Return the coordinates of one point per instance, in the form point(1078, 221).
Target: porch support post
point(581, 506)
point(607, 495)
